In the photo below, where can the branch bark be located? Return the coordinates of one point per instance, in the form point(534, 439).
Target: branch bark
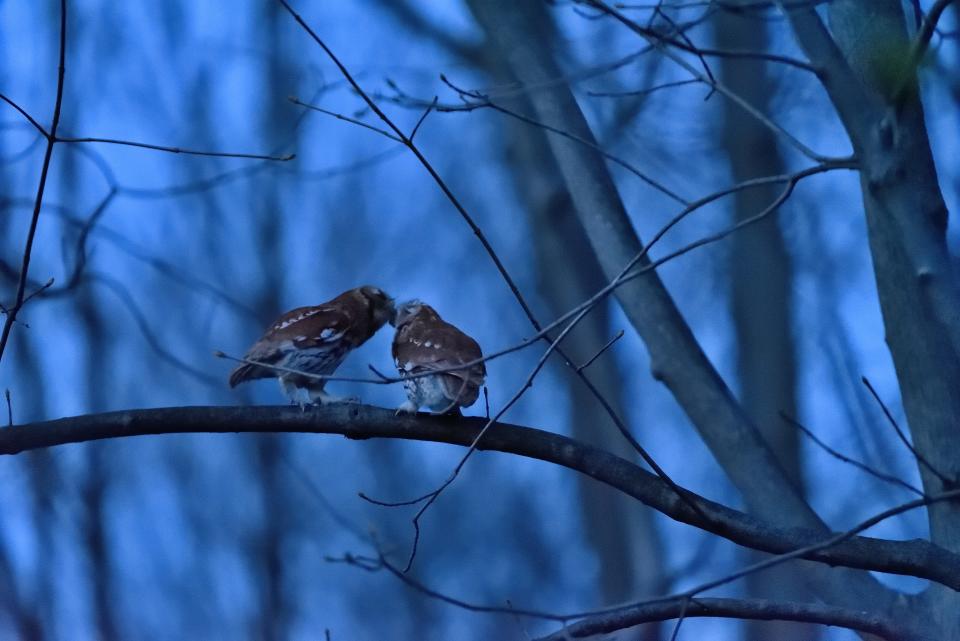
point(917, 558)
point(749, 609)
point(906, 217)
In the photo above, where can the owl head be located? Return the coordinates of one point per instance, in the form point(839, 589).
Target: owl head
point(381, 305)
point(413, 309)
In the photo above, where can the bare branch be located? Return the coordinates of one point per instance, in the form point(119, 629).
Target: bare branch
point(643, 92)
point(921, 459)
point(12, 312)
point(919, 46)
point(683, 615)
point(177, 150)
point(26, 115)
point(886, 478)
point(430, 107)
point(423, 161)
point(732, 95)
point(339, 116)
point(917, 557)
point(485, 102)
point(752, 609)
point(39, 290)
point(660, 609)
point(600, 352)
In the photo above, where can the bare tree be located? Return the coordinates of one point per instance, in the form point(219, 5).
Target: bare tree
point(589, 264)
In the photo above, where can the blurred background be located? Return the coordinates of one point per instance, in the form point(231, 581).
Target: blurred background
point(160, 259)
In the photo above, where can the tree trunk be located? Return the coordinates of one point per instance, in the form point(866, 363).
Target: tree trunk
point(761, 284)
point(622, 536)
point(906, 223)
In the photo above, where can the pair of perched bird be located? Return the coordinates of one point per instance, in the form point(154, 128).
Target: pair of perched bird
point(431, 355)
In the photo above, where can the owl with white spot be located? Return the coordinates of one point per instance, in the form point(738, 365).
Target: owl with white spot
point(315, 340)
point(426, 343)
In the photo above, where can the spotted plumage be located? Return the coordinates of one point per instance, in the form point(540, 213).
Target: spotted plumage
point(316, 340)
point(424, 342)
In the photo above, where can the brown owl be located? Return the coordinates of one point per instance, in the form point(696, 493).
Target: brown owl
point(316, 340)
point(424, 342)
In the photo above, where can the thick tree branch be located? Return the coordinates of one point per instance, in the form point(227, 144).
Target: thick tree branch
point(914, 558)
point(681, 606)
point(917, 285)
point(754, 609)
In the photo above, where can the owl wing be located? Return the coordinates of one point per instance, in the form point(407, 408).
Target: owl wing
point(437, 346)
point(302, 328)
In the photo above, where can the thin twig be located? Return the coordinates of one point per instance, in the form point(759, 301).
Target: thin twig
point(685, 43)
point(12, 312)
point(516, 617)
point(479, 100)
point(726, 91)
point(430, 107)
point(47, 285)
point(947, 483)
point(679, 606)
point(177, 150)
point(600, 352)
point(413, 148)
point(6, 393)
point(384, 380)
point(918, 48)
point(26, 115)
point(339, 116)
point(643, 92)
point(683, 615)
point(886, 478)
point(684, 599)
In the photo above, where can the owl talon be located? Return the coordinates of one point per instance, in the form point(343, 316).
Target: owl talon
point(407, 409)
point(322, 398)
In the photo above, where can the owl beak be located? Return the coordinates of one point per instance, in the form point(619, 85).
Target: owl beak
point(391, 305)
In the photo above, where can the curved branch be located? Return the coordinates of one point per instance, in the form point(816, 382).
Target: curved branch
point(676, 607)
point(917, 558)
point(756, 609)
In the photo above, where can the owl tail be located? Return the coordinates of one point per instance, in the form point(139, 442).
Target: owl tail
point(244, 373)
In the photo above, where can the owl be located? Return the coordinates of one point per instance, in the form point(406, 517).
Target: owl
point(316, 340)
point(424, 342)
